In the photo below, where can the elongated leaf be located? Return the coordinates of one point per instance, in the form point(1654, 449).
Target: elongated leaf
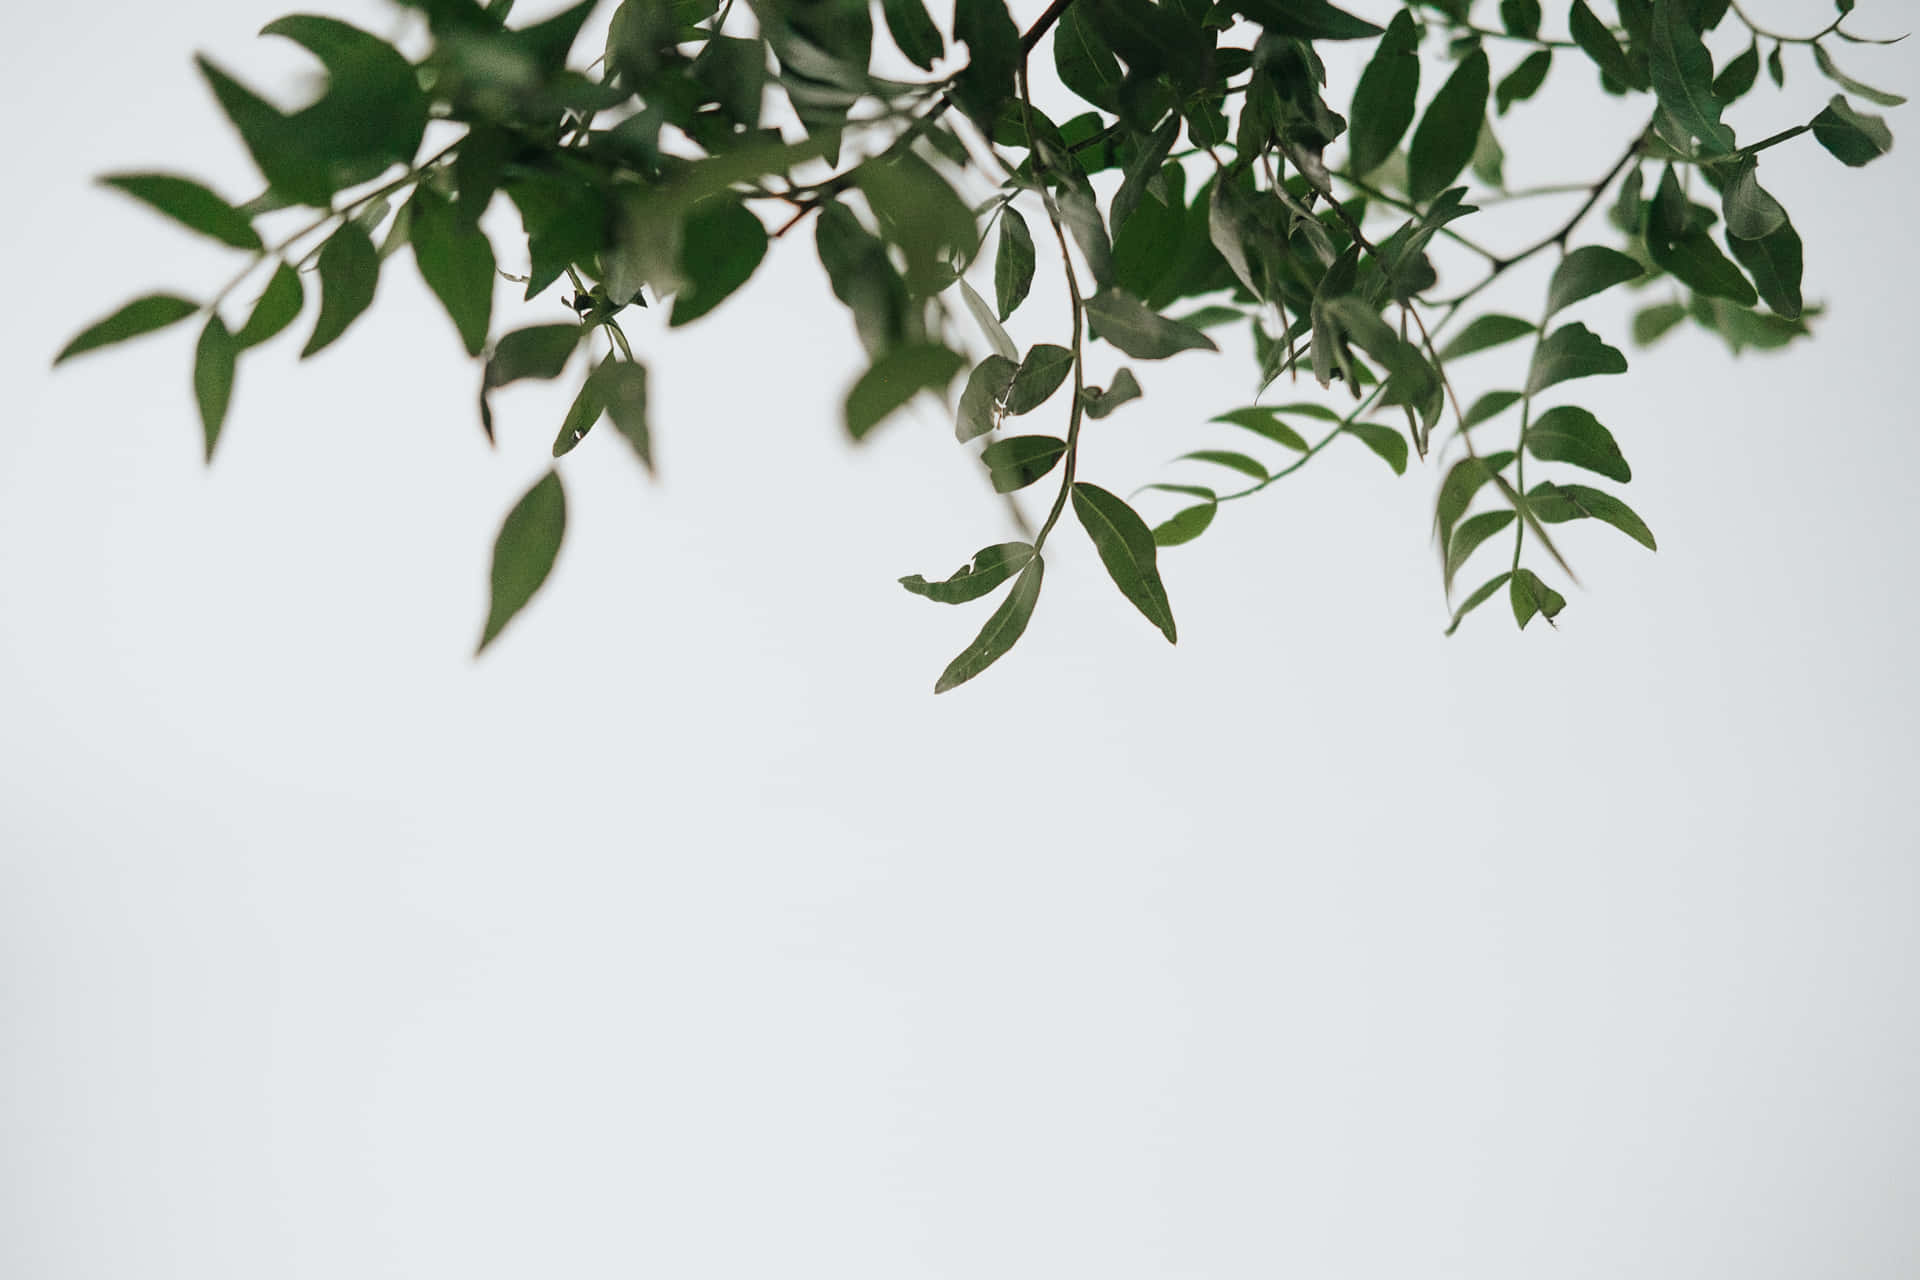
point(1445, 139)
point(1266, 423)
point(1586, 271)
point(1384, 100)
point(582, 416)
point(1683, 75)
point(277, 307)
point(1464, 480)
point(986, 385)
point(1082, 217)
point(1521, 18)
point(1752, 213)
point(896, 378)
point(1854, 138)
point(1038, 377)
point(1468, 538)
point(1775, 262)
point(1559, 503)
point(1598, 43)
point(1100, 402)
point(1530, 596)
point(538, 351)
point(1480, 596)
point(349, 274)
point(1013, 265)
point(1523, 81)
point(1489, 406)
point(1847, 82)
point(913, 31)
point(1228, 458)
point(1484, 333)
point(621, 388)
point(721, 246)
point(1737, 77)
point(456, 261)
point(1184, 526)
point(1571, 434)
point(1696, 261)
point(1389, 444)
point(1126, 548)
point(190, 204)
point(1003, 630)
point(1142, 169)
point(983, 316)
point(989, 567)
point(1128, 324)
point(213, 364)
point(524, 552)
point(1571, 351)
point(1085, 62)
point(1016, 462)
point(1653, 323)
point(1308, 19)
point(142, 315)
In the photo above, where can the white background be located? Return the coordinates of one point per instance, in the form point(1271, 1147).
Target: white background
point(688, 935)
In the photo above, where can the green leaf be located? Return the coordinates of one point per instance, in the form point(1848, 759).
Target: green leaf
point(1142, 169)
point(1523, 81)
point(1384, 100)
point(1653, 323)
point(1480, 596)
point(1082, 217)
point(582, 415)
point(213, 364)
point(1752, 214)
point(993, 54)
point(278, 307)
point(918, 211)
point(1696, 261)
point(1490, 406)
point(1003, 629)
point(1307, 19)
point(1854, 137)
point(1383, 440)
point(190, 204)
point(1013, 266)
point(721, 246)
point(980, 399)
point(456, 261)
point(142, 315)
point(1184, 526)
point(1586, 271)
point(1266, 423)
point(1483, 333)
point(1100, 403)
point(524, 552)
point(990, 567)
point(1037, 378)
point(1570, 434)
point(1521, 18)
point(621, 388)
point(1847, 82)
point(913, 31)
point(1776, 69)
point(1126, 547)
point(1572, 351)
point(1489, 157)
point(1128, 324)
point(1774, 261)
point(1529, 595)
point(1738, 76)
point(896, 378)
point(1444, 141)
point(349, 273)
point(1468, 538)
point(1463, 480)
point(1559, 503)
point(983, 316)
point(1683, 75)
point(1085, 62)
point(1597, 42)
point(1227, 458)
point(538, 351)
point(1016, 462)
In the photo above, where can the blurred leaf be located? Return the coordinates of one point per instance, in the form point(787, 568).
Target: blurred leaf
point(1444, 142)
point(1571, 434)
point(620, 386)
point(993, 53)
point(1013, 266)
point(1100, 403)
point(278, 307)
point(1652, 323)
point(1467, 539)
point(896, 378)
point(1738, 76)
point(1683, 75)
point(721, 246)
point(1696, 261)
point(1854, 137)
point(1307, 19)
point(1383, 440)
point(1082, 217)
point(1520, 18)
point(1483, 333)
point(213, 364)
point(1480, 596)
point(538, 351)
point(913, 31)
point(1265, 422)
point(1572, 351)
point(1384, 100)
point(1142, 169)
point(1184, 526)
point(1774, 261)
point(1586, 271)
point(1038, 377)
point(1128, 324)
point(524, 552)
point(990, 567)
point(1523, 81)
point(582, 415)
point(1597, 42)
point(1847, 82)
point(985, 386)
point(1531, 596)
point(1491, 405)
point(456, 261)
point(190, 204)
point(1752, 214)
point(349, 273)
point(1227, 458)
point(983, 315)
point(142, 315)
point(1126, 548)
point(1559, 503)
point(1016, 462)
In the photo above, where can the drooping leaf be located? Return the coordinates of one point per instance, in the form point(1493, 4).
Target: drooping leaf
point(986, 385)
point(1738, 76)
point(524, 552)
point(896, 378)
point(721, 246)
point(1696, 261)
point(1752, 213)
point(1384, 100)
point(1597, 42)
point(1571, 351)
point(1586, 271)
point(1480, 596)
point(1483, 333)
point(1847, 82)
point(1470, 535)
point(1775, 262)
point(456, 261)
point(1142, 169)
point(913, 31)
point(142, 315)
point(1683, 75)
point(1521, 18)
point(1046, 366)
point(1126, 548)
point(983, 316)
point(1570, 434)
point(1085, 62)
point(1013, 265)
point(190, 204)
point(1389, 444)
point(1101, 402)
point(1444, 141)
point(538, 351)
point(1082, 216)
point(993, 54)
point(1559, 503)
point(1464, 480)
point(349, 273)
point(582, 416)
point(989, 567)
point(1653, 323)
point(1184, 526)
point(922, 214)
point(213, 365)
point(1530, 596)
point(1017, 461)
point(1854, 138)
point(1265, 422)
point(277, 307)
point(1523, 81)
point(620, 386)
point(1250, 467)
point(1130, 325)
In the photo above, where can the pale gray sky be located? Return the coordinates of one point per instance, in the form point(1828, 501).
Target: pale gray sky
point(688, 935)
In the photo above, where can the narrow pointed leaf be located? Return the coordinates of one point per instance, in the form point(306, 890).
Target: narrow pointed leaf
point(1480, 596)
point(1250, 467)
point(1597, 42)
point(1523, 81)
point(1484, 333)
point(1266, 423)
point(349, 273)
point(1126, 548)
point(1696, 261)
point(1467, 539)
point(1586, 271)
point(1448, 132)
point(1490, 406)
point(620, 386)
point(582, 415)
point(913, 31)
point(1013, 265)
point(142, 315)
point(1307, 19)
point(456, 261)
point(1878, 96)
point(1130, 325)
point(524, 552)
point(190, 204)
point(213, 365)
point(538, 351)
point(989, 567)
point(1559, 503)
point(1385, 98)
point(277, 307)
point(1003, 630)
point(1389, 444)
point(989, 325)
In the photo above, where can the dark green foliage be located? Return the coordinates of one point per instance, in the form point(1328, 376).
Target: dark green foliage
point(663, 169)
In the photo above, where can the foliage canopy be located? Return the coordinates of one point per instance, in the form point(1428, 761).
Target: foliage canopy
point(660, 172)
